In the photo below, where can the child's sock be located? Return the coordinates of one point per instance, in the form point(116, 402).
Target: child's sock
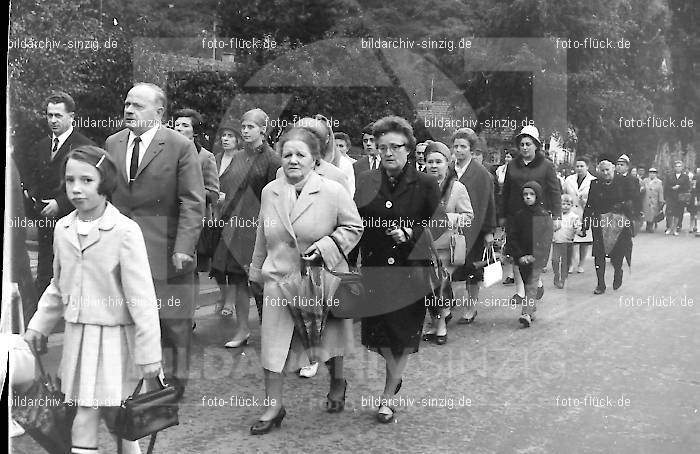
point(83, 450)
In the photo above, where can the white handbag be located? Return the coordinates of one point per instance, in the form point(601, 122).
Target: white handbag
point(493, 272)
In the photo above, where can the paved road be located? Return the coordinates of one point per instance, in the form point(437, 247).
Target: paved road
point(595, 374)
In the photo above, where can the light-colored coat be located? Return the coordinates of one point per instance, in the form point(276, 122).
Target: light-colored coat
point(459, 214)
point(323, 208)
point(580, 195)
point(653, 198)
point(105, 281)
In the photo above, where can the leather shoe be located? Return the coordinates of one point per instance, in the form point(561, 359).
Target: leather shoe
point(262, 427)
point(599, 290)
point(336, 406)
point(540, 292)
point(617, 280)
point(441, 340)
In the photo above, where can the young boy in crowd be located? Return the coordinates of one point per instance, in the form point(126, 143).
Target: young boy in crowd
point(563, 241)
point(530, 241)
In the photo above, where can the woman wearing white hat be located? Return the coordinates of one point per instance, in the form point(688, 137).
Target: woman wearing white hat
point(530, 165)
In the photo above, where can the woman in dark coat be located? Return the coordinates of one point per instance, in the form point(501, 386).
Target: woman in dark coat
point(530, 165)
point(609, 195)
point(478, 181)
point(397, 204)
point(242, 181)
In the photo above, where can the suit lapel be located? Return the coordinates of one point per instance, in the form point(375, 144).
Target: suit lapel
point(120, 154)
point(155, 147)
point(307, 197)
point(63, 151)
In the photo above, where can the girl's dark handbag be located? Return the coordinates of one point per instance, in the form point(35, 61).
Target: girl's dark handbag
point(147, 413)
point(43, 415)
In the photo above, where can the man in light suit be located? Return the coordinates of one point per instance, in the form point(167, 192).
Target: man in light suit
point(42, 178)
point(161, 187)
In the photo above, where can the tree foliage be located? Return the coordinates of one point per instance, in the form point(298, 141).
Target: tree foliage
point(601, 85)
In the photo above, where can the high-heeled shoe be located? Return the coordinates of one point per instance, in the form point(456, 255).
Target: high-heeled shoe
point(336, 406)
point(237, 343)
point(385, 416)
point(262, 427)
point(467, 320)
point(441, 340)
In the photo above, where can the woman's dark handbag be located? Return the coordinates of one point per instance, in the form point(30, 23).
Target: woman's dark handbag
point(350, 295)
point(441, 294)
point(147, 414)
point(48, 424)
point(659, 216)
point(684, 198)
point(210, 236)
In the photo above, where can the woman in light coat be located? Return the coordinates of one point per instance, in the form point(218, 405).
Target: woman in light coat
point(653, 199)
point(102, 288)
point(458, 206)
point(302, 216)
point(577, 186)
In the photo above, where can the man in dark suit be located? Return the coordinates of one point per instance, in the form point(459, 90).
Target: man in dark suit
point(677, 194)
point(160, 186)
point(43, 178)
point(631, 187)
point(371, 159)
point(420, 156)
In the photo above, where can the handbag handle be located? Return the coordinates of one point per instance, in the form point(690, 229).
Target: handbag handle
point(485, 255)
point(160, 379)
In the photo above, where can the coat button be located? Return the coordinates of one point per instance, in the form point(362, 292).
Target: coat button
point(390, 260)
point(388, 204)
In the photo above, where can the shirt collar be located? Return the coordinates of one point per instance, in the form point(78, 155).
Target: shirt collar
point(146, 137)
point(62, 138)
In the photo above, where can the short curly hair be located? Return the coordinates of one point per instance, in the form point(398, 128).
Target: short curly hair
point(465, 133)
point(395, 124)
point(309, 137)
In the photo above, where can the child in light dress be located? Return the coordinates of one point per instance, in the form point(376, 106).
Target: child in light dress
point(102, 288)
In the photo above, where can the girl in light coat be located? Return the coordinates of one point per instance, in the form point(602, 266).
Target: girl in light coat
point(102, 288)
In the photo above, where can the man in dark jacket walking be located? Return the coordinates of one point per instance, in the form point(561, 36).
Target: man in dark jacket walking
point(42, 178)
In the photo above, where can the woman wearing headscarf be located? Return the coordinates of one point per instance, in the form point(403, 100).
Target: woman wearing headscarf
point(247, 173)
point(457, 204)
point(321, 128)
point(399, 206)
point(609, 214)
point(530, 165)
point(480, 186)
point(302, 217)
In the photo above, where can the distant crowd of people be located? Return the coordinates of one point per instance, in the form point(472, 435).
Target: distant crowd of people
point(137, 220)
